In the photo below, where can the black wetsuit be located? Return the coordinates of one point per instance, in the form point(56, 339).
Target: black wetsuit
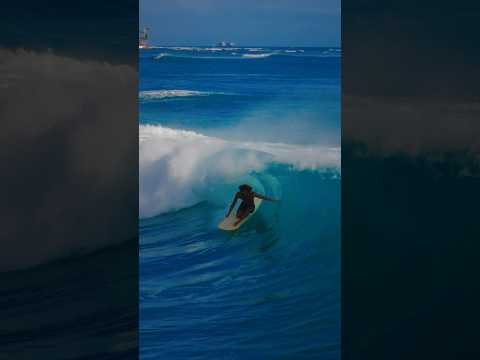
point(247, 202)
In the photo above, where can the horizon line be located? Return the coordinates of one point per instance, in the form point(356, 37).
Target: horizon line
point(245, 46)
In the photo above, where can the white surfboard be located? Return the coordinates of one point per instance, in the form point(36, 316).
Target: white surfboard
point(227, 223)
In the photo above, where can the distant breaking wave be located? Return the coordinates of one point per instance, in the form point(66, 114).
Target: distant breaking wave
point(162, 94)
point(249, 49)
point(193, 48)
point(257, 56)
point(164, 56)
point(288, 54)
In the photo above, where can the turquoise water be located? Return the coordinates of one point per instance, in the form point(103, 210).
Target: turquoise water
point(211, 119)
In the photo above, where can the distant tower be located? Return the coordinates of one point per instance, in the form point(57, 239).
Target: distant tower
point(143, 38)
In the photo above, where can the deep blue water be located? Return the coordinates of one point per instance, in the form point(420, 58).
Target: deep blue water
point(211, 119)
point(74, 308)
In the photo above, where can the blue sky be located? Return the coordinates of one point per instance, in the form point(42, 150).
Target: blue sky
point(245, 22)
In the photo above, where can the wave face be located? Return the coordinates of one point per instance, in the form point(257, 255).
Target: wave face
point(272, 288)
point(74, 199)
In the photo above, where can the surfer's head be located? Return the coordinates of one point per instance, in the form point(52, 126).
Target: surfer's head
point(245, 188)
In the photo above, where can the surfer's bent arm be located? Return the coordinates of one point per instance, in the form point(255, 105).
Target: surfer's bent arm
point(233, 205)
point(260, 196)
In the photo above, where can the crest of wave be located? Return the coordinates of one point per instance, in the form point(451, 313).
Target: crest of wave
point(175, 165)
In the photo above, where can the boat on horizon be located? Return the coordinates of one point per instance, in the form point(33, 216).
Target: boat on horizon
point(225, 44)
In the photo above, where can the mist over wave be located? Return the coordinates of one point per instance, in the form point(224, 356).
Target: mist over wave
point(177, 166)
point(446, 132)
point(76, 194)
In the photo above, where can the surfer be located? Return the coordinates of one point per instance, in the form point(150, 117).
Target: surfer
point(248, 205)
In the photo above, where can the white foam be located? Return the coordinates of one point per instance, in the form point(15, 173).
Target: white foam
point(219, 49)
point(161, 94)
point(174, 165)
point(193, 48)
point(159, 56)
point(183, 48)
point(257, 56)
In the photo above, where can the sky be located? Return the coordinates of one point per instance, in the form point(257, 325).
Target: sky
point(244, 22)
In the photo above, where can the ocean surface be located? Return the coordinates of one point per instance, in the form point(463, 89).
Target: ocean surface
point(210, 120)
point(81, 307)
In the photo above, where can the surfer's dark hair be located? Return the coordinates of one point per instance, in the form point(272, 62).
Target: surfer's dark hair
point(245, 187)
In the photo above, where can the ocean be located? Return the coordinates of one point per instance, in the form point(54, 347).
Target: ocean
point(211, 119)
point(74, 308)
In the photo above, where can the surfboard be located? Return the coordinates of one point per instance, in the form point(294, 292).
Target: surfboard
point(227, 223)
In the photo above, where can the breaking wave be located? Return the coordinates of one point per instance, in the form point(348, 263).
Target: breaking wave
point(162, 94)
point(257, 56)
point(178, 167)
point(251, 54)
point(77, 194)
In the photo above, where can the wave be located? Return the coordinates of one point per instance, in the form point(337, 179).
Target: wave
point(164, 56)
point(194, 48)
point(288, 54)
point(249, 49)
point(177, 167)
point(162, 94)
point(257, 56)
point(80, 196)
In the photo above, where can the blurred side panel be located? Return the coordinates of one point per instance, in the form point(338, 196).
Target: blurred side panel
point(69, 180)
point(410, 180)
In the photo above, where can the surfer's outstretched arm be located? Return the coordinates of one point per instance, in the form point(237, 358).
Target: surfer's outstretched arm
point(260, 196)
point(233, 205)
